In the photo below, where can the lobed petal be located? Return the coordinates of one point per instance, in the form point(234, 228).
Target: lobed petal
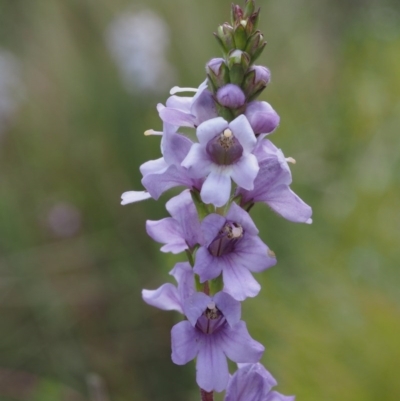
point(245, 171)
point(211, 366)
point(242, 130)
point(185, 342)
point(210, 129)
point(165, 297)
point(216, 188)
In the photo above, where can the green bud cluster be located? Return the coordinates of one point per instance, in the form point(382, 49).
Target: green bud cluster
point(241, 43)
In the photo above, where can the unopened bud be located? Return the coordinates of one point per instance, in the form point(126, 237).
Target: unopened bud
point(238, 63)
point(255, 45)
point(231, 96)
point(217, 72)
point(225, 37)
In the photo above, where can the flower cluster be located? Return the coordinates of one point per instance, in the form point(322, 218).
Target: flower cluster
point(228, 168)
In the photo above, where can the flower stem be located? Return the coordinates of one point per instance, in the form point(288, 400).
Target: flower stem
point(206, 396)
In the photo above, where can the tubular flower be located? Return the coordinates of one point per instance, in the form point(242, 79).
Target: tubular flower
point(224, 151)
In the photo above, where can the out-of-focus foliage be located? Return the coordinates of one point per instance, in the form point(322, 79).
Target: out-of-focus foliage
point(73, 261)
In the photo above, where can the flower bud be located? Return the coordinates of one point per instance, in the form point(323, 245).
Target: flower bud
point(217, 72)
point(231, 96)
point(225, 37)
point(238, 63)
point(255, 81)
point(262, 117)
point(255, 45)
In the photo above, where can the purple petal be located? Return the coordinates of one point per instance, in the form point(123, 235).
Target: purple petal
point(239, 346)
point(175, 148)
point(166, 298)
point(183, 274)
point(242, 130)
point(134, 196)
point(185, 341)
point(211, 226)
point(286, 203)
point(157, 184)
point(251, 382)
point(206, 265)
point(183, 210)
point(210, 129)
point(245, 171)
point(167, 231)
point(203, 107)
point(229, 307)
point(195, 306)
point(198, 161)
point(253, 254)
point(211, 366)
point(154, 166)
point(177, 117)
point(179, 102)
point(216, 188)
point(238, 215)
point(239, 282)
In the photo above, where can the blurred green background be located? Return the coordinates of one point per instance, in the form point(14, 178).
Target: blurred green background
point(79, 82)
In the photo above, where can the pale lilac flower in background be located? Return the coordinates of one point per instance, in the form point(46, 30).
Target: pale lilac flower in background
point(138, 43)
point(212, 333)
point(232, 247)
point(271, 185)
point(64, 220)
point(223, 152)
point(11, 88)
point(252, 382)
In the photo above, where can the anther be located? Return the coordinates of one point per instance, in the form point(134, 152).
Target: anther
point(227, 133)
point(291, 160)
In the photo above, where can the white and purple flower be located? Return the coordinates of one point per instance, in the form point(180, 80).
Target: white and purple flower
point(272, 185)
point(232, 247)
point(212, 333)
point(224, 151)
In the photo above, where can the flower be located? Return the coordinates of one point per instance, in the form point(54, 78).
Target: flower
point(188, 111)
point(182, 230)
point(170, 297)
point(166, 172)
point(223, 152)
point(231, 245)
point(271, 185)
point(252, 382)
point(212, 333)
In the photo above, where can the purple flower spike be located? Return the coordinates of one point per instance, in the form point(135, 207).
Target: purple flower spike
point(231, 96)
point(252, 382)
point(262, 117)
point(213, 332)
point(272, 186)
point(224, 151)
point(232, 247)
point(169, 297)
point(179, 232)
